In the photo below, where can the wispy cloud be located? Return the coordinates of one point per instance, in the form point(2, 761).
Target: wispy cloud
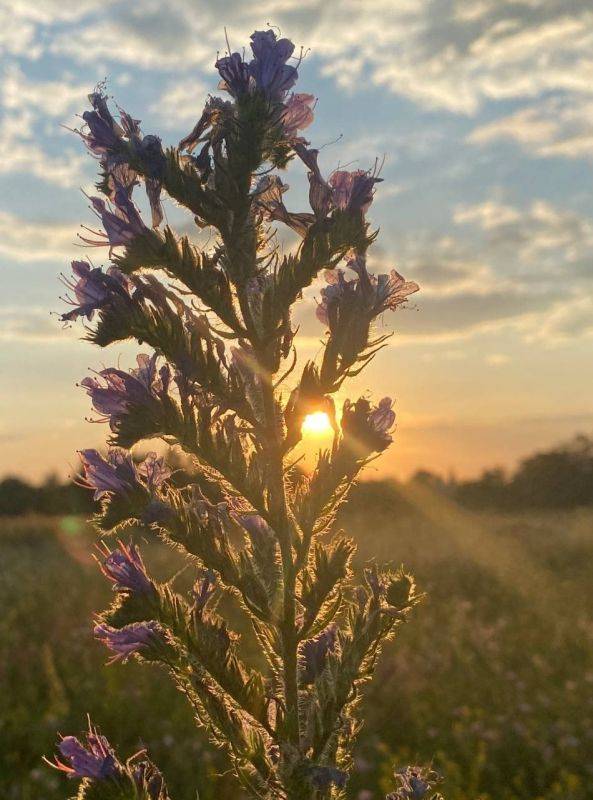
point(554, 128)
point(26, 241)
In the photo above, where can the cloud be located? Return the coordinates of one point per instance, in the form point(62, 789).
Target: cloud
point(32, 324)
point(554, 241)
point(181, 102)
point(145, 34)
point(25, 241)
point(52, 99)
point(437, 53)
point(559, 127)
point(25, 105)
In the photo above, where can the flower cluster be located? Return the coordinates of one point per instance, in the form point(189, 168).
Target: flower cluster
point(115, 144)
point(219, 332)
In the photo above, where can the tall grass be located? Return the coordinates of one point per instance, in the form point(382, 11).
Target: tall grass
point(493, 681)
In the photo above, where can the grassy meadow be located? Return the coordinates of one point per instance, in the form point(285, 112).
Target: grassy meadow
point(492, 679)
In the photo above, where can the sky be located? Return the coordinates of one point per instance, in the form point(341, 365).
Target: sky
point(482, 111)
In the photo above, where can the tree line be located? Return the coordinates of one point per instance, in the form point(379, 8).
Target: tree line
point(558, 478)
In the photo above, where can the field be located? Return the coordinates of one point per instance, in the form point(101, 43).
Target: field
point(492, 679)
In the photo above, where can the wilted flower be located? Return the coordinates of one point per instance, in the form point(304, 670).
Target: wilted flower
point(323, 777)
point(214, 110)
point(352, 191)
point(130, 639)
point(203, 589)
point(121, 224)
point(96, 760)
point(267, 198)
point(125, 569)
point(114, 392)
point(348, 307)
point(383, 291)
point(298, 113)
point(314, 654)
point(94, 290)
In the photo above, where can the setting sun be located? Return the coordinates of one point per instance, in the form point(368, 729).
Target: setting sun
point(317, 424)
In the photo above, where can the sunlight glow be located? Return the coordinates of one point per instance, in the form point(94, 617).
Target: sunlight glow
point(316, 424)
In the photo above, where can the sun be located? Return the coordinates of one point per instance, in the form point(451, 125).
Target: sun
point(316, 424)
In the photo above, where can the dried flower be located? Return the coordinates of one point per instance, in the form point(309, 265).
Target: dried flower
point(297, 114)
point(352, 191)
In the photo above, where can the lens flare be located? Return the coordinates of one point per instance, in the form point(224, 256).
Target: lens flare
point(316, 424)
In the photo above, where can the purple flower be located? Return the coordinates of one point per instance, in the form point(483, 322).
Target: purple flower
point(382, 419)
point(352, 191)
point(267, 72)
point(97, 760)
point(298, 113)
point(103, 133)
point(323, 777)
point(314, 654)
point(367, 428)
point(272, 75)
point(234, 73)
point(115, 474)
point(121, 224)
point(94, 290)
point(383, 291)
point(130, 639)
point(366, 295)
point(154, 471)
point(115, 391)
point(125, 569)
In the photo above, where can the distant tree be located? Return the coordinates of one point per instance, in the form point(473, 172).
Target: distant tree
point(558, 478)
point(491, 490)
point(17, 497)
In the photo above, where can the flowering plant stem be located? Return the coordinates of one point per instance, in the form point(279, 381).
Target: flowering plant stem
point(220, 386)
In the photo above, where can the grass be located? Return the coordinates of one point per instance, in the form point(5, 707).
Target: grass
point(492, 679)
